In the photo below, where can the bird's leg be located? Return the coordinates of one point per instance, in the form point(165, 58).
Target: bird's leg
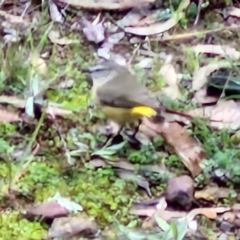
point(111, 137)
point(137, 128)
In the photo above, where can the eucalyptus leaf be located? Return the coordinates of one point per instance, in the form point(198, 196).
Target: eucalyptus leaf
point(108, 151)
point(29, 108)
point(162, 224)
point(174, 230)
point(182, 229)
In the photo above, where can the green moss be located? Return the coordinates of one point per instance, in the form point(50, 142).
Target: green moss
point(13, 226)
point(102, 194)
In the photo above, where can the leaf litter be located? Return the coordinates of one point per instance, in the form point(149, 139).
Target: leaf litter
point(176, 197)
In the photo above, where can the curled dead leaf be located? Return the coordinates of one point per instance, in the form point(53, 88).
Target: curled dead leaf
point(105, 4)
point(49, 209)
point(21, 103)
point(9, 116)
point(200, 76)
point(161, 27)
point(186, 147)
point(224, 115)
point(157, 27)
point(201, 97)
point(210, 213)
point(222, 50)
point(233, 11)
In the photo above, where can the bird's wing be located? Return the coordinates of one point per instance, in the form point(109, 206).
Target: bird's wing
point(126, 93)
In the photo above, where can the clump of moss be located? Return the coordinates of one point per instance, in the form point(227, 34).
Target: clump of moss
point(100, 192)
point(15, 227)
point(103, 195)
point(40, 182)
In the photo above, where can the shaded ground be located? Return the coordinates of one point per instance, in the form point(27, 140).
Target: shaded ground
point(177, 179)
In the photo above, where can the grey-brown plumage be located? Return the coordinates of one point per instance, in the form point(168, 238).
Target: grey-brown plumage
point(117, 91)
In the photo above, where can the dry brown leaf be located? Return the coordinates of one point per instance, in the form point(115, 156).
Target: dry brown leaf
point(146, 212)
point(210, 213)
point(150, 133)
point(105, 4)
point(66, 227)
point(233, 11)
point(172, 116)
point(8, 116)
point(201, 112)
point(229, 217)
point(170, 75)
point(225, 115)
point(56, 15)
point(201, 97)
point(21, 103)
point(157, 27)
point(236, 207)
point(212, 193)
point(187, 149)
point(225, 51)
point(13, 21)
point(50, 210)
point(226, 111)
point(200, 76)
point(161, 27)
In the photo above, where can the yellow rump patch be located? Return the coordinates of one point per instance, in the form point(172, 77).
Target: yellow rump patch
point(143, 111)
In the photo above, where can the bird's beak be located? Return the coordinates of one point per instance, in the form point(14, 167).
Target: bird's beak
point(86, 70)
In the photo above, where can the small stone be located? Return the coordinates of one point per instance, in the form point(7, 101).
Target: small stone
point(179, 192)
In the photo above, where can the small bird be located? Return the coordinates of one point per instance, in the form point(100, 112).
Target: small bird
point(120, 96)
